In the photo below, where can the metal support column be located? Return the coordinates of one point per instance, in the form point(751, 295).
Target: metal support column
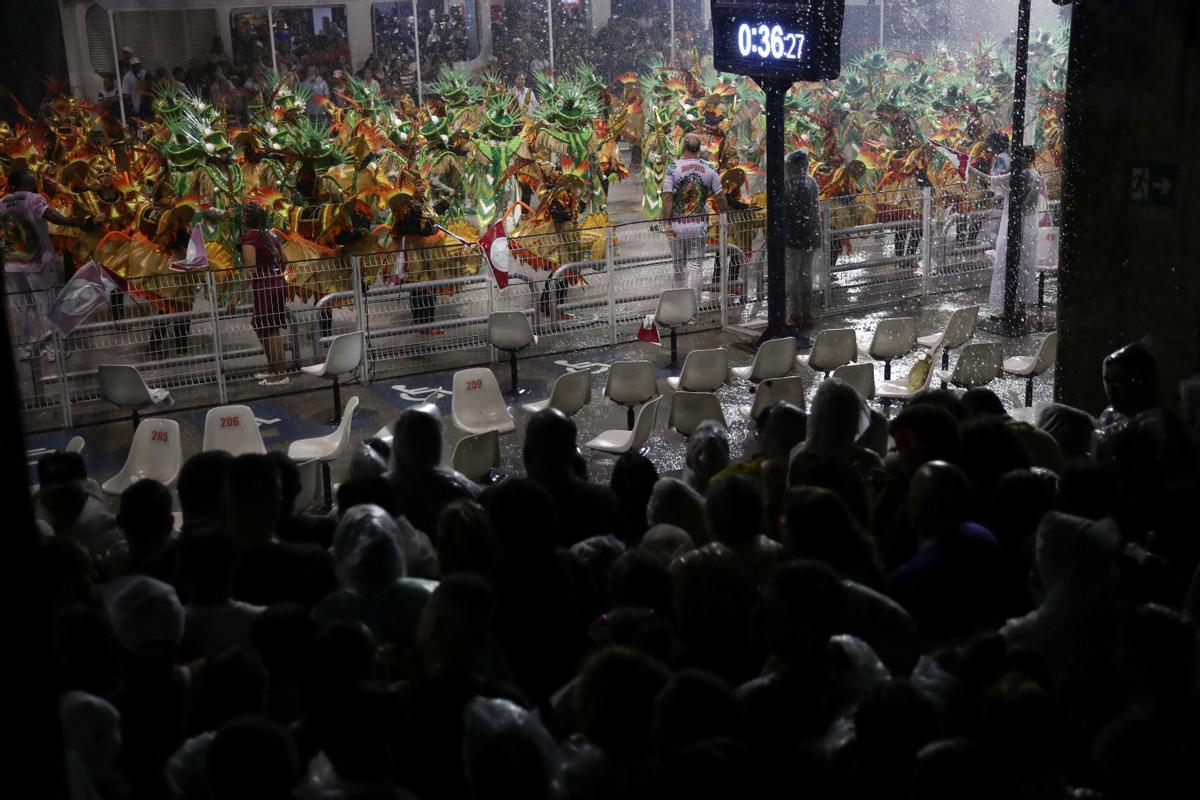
point(271, 32)
point(723, 263)
point(776, 224)
point(610, 235)
point(211, 284)
point(1017, 183)
point(362, 319)
point(112, 29)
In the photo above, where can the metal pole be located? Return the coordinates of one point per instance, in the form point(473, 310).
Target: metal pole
point(926, 238)
point(1017, 182)
point(672, 32)
point(417, 50)
point(723, 265)
point(362, 318)
point(550, 30)
point(826, 258)
point(610, 235)
point(882, 3)
point(776, 226)
point(271, 33)
point(211, 285)
point(112, 29)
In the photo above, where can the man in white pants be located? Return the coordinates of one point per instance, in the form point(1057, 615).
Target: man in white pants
point(686, 189)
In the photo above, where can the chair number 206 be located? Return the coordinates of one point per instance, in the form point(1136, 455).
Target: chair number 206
point(159, 436)
point(473, 385)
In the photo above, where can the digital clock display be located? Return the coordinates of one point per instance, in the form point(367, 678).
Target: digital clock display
point(769, 41)
point(798, 41)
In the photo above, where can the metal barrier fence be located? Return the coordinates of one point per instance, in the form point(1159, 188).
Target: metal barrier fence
point(427, 309)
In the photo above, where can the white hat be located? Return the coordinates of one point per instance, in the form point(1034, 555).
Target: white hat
point(146, 614)
point(126, 49)
point(134, 61)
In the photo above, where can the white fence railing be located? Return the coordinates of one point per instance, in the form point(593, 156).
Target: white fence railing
point(192, 333)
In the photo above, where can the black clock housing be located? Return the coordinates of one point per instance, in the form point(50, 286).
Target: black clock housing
point(794, 41)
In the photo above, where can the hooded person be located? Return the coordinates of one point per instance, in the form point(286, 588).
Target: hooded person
point(664, 542)
point(91, 729)
point(372, 560)
point(707, 453)
point(507, 752)
point(1071, 427)
point(673, 502)
point(1075, 561)
point(422, 487)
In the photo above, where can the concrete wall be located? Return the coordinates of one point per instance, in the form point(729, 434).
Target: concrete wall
point(1129, 270)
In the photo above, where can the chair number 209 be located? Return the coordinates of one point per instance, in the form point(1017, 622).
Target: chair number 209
point(473, 385)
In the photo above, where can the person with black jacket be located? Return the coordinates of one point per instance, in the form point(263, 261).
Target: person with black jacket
point(803, 214)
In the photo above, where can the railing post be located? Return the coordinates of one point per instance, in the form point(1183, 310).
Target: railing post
point(211, 287)
point(610, 235)
point(64, 390)
point(492, 289)
point(826, 269)
point(362, 319)
point(926, 239)
point(725, 263)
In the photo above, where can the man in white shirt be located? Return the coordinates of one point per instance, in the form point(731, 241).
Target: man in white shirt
point(109, 89)
point(526, 99)
point(131, 85)
point(687, 187)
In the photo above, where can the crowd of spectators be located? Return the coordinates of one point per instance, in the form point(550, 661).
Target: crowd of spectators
point(947, 604)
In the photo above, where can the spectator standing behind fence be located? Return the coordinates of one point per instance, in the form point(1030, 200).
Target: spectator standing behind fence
point(316, 87)
point(802, 215)
point(131, 85)
point(32, 267)
point(686, 189)
point(262, 252)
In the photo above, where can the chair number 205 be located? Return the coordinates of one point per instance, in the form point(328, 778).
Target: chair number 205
point(473, 385)
point(230, 422)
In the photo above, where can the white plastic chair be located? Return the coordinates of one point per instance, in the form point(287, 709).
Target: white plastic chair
point(773, 391)
point(893, 338)
point(477, 455)
point(123, 386)
point(571, 392)
point(773, 359)
point(689, 409)
point(978, 364)
point(860, 376)
point(232, 429)
point(631, 383)
point(477, 406)
point(831, 349)
point(903, 389)
point(624, 441)
point(676, 308)
point(326, 449)
point(510, 331)
point(959, 330)
point(343, 356)
point(1029, 367)
point(155, 453)
point(703, 371)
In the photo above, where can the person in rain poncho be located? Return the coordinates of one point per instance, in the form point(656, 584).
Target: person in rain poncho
point(1027, 205)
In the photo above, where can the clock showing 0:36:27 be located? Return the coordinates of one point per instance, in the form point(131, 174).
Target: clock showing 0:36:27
point(770, 41)
point(790, 40)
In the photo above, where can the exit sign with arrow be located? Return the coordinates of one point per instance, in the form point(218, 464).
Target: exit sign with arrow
point(1154, 185)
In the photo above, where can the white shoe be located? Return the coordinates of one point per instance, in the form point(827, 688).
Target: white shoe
point(284, 381)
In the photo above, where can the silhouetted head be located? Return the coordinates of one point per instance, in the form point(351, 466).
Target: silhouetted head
point(1131, 379)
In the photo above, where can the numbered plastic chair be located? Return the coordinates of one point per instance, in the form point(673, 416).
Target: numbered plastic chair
point(689, 409)
point(775, 390)
point(343, 357)
point(831, 349)
point(703, 371)
point(958, 331)
point(773, 359)
point(624, 441)
point(155, 453)
point(631, 383)
point(893, 338)
point(676, 308)
point(978, 364)
point(326, 449)
point(232, 429)
point(476, 456)
point(1029, 367)
point(860, 376)
point(476, 405)
point(123, 386)
point(571, 392)
point(511, 332)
